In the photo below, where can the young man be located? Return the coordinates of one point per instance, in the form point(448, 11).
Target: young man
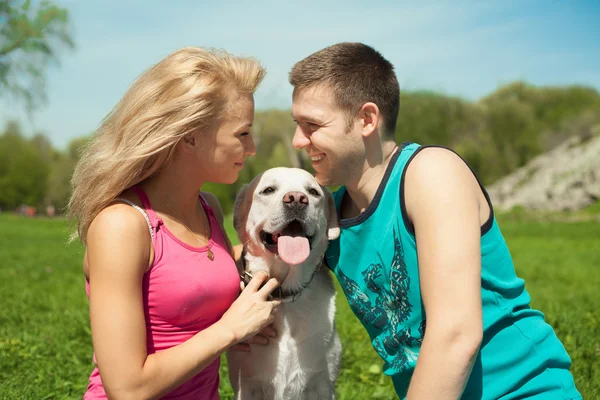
point(420, 258)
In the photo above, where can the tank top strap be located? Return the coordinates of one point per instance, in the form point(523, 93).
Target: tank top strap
point(142, 211)
point(217, 232)
point(206, 206)
point(155, 221)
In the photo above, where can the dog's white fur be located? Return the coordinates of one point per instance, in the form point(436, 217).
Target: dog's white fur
point(303, 361)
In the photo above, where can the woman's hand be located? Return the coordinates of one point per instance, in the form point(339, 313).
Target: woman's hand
point(261, 338)
point(251, 313)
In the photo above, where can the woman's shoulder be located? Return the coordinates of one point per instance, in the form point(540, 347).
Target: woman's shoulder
point(118, 233)
point(119, 222)
point(118, 218)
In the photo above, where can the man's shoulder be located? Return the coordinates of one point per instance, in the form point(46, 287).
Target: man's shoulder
point(438, 164)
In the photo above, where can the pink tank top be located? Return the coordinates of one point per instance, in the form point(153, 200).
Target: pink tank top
point(184, 293)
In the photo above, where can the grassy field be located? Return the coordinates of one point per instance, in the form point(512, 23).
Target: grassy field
point(45, 343)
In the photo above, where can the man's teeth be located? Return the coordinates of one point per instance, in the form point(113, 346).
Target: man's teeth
point(318, 157)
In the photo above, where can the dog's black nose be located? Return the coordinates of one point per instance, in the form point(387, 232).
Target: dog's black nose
point(295, 200)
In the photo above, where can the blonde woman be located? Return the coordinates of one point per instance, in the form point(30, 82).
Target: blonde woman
point(162, 283)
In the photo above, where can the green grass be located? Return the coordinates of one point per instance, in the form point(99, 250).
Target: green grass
point(45, 342)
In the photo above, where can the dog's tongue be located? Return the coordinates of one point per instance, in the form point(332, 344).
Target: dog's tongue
point(293, 247)
point(293, 250)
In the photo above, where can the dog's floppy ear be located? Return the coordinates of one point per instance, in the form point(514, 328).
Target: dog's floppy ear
point(333, 225)
point(241, 207)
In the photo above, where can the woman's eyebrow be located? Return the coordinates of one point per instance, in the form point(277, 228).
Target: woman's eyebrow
point(244, 126)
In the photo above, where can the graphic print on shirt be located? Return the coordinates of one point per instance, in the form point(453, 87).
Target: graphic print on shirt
point(391, 309)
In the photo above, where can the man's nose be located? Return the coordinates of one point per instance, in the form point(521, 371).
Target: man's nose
point(300, 140)
point(295, 200)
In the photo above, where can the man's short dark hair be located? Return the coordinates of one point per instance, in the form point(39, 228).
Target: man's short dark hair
point(357, 74)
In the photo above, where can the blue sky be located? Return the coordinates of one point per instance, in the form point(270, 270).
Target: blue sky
point(463, 48)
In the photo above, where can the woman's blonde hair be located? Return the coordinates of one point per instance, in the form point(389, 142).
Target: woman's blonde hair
point(186, 91)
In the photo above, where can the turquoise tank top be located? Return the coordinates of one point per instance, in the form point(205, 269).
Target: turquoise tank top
point(375, 261)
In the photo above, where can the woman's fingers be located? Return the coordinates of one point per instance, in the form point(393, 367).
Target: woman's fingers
point(266, 290)
point(258, 339)
point(269, 331)
point(256, 281)
point(245, 347)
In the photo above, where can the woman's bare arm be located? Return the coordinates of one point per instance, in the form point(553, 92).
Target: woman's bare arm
point(118, 250)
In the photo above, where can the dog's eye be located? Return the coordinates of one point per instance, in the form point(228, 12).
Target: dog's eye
point(268, 190)
point(313, 192)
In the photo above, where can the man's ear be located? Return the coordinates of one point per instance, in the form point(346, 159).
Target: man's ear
point(333, 225)
point(369, 116)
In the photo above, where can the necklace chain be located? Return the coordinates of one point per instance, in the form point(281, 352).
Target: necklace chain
point(209, 252)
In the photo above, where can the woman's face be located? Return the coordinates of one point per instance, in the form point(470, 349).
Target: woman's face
point(222, 150)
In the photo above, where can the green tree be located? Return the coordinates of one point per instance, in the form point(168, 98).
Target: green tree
point(23, 170)
point(62, 166)
point(502, 131)
point(75, 147)
point(431, 118)
point(59, 181)
point(30, 39)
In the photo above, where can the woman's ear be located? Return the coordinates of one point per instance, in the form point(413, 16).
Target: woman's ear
point(188, 142)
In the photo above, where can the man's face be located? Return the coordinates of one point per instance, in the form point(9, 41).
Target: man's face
point(323, 132)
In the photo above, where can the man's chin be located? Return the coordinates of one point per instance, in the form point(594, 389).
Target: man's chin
point(324, 179)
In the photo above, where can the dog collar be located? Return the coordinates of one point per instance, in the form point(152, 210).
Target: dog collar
point(278, 293)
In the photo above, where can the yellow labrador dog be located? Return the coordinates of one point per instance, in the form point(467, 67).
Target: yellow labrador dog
point(285, 219)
